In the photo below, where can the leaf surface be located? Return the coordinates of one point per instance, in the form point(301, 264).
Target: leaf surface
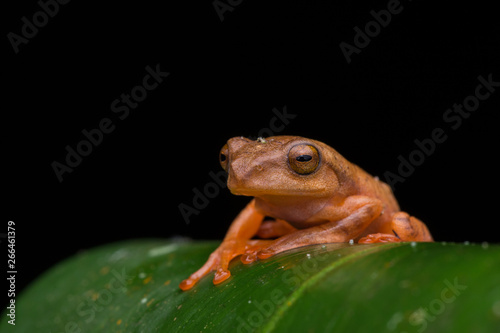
point(133, 287)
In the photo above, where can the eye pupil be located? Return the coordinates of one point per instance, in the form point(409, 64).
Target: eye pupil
point(304, 158)
point(222, 157)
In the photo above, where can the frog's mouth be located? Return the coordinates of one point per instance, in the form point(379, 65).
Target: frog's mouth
point(273, 188)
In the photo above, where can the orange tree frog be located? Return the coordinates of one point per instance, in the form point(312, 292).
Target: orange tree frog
point(313, 195)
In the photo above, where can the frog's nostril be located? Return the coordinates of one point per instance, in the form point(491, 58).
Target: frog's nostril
point(259, 167)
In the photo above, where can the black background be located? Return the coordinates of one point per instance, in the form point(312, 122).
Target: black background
point(225, 79)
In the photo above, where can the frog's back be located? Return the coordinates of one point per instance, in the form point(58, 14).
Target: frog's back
point(374, 187)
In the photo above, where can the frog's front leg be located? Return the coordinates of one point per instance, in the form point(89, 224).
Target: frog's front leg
point(274, 229)
point(236, 242)
point(360, 211)
point(219, 260)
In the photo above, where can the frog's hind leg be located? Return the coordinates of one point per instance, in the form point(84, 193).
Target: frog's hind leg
point(405, 228)
point(274, 229)
point(410, 229)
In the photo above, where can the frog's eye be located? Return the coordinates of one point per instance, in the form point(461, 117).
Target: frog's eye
point(224, 157)
point(303, 159)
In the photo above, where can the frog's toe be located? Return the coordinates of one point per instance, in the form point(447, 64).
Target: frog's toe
point(264, 254)
point(221, 275)
point(252, 250)
point(249, 257)
point(379, 238)
point(187, 284)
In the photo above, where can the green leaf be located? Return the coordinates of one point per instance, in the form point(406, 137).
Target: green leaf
point(133, 287)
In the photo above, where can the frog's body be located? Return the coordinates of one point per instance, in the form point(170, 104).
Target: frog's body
point(314, 195)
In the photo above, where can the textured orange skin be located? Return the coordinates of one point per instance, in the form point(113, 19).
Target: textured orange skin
point(336, 203)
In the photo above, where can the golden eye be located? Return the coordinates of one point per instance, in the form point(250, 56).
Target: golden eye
point(224, 157)
point(303, 159)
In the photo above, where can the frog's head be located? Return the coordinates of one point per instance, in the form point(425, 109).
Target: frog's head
point(281, 166)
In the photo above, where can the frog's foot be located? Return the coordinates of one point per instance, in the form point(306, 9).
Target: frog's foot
point(405, 228)
point(253, 249)
point(274, 229)
point(379, 238)
point(220, 258)
point(410, 229)
point(268, 229)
